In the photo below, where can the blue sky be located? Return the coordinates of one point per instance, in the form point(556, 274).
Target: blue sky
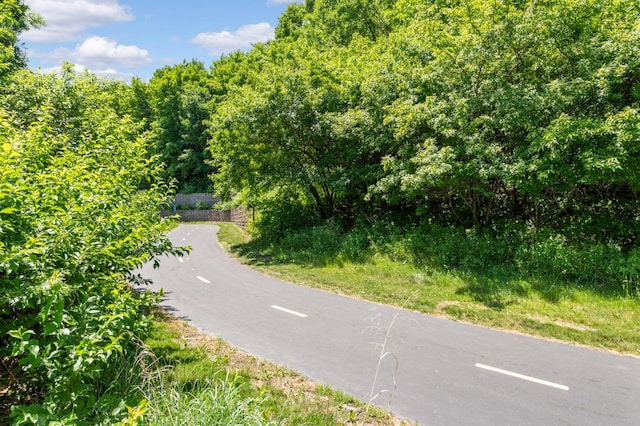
point(123, 38)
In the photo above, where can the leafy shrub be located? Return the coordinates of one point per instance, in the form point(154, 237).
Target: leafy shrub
point(355, 246)
point(73, 225)
point(600, 266)
point(321, 240)
point(280, 214)
point(516, 249)
point(630, 273)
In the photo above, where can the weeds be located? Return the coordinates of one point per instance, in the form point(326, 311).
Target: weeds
point(384, 353)
point(203, 402)
point(195, 379)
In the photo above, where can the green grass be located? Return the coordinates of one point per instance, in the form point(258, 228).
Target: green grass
point(195, 379)
point(494, 296)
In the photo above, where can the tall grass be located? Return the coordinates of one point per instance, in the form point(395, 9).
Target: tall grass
point(185, 386)
point(205, 402)
point(190, 378)
point(512, 250)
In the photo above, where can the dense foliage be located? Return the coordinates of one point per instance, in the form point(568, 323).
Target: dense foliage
point(174, 107)
point(517, 118)
point(15, 18)
point(464, 133)
point(74, 224)
point(467, 111)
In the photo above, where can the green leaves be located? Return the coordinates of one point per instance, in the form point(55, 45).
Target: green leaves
point(177, 111)
point(15, 18)
point(463, 113)
point(74, 224)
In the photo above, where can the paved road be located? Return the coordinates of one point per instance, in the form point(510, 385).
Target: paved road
point(437, 372)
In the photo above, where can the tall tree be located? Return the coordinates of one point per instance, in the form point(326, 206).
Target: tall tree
point(517, 109)
point(341, 20)
point(179, 96)
point(297, 120)
point(15, 18)
point(464, 112)
point(297, 124)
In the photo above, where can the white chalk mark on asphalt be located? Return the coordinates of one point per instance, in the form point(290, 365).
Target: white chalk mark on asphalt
point(289, 311)
point(204, 280)
point(523, 377)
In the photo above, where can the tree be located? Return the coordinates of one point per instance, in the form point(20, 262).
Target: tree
point(507, 106)
point(341, 20)
point(15, 18)
point(179, 97)
point(293, 125)
point(291, 20)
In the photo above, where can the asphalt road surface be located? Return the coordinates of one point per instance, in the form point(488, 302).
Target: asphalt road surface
point(426, 369)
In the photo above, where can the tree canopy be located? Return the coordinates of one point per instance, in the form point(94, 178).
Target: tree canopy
point(15, 18)
point(466, 112)
point(176, 111)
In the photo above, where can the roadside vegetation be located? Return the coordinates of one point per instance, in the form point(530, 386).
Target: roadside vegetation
point(459, 276)
point(479, 159)
point(482, 155)
point(196, 379)
point(79, 205)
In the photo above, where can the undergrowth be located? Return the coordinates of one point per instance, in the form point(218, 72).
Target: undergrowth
point(513, 251)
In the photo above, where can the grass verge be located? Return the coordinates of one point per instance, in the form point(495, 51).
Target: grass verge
point(534, 305)
point(201, 380)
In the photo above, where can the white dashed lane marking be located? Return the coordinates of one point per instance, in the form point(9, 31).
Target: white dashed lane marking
point(289, 311)
point(523, 377)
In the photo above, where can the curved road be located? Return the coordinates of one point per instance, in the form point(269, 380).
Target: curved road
point(435, 372)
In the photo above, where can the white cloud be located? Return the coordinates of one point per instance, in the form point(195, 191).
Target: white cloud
point(225, 42)
point(114, 75)
point(68, 19)
point(77, 68)
point(100, 53)
point(106, 73)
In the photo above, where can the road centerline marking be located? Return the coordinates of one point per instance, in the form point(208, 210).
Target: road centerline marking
point(289, 311)
point(204, 280)
point(522, 377)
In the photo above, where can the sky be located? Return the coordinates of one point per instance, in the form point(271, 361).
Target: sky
point(125, 38)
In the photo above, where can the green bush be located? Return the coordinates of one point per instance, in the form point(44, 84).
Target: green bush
point(281, 214)
point(74, 223)
point(355, 246)
point(600, 266)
